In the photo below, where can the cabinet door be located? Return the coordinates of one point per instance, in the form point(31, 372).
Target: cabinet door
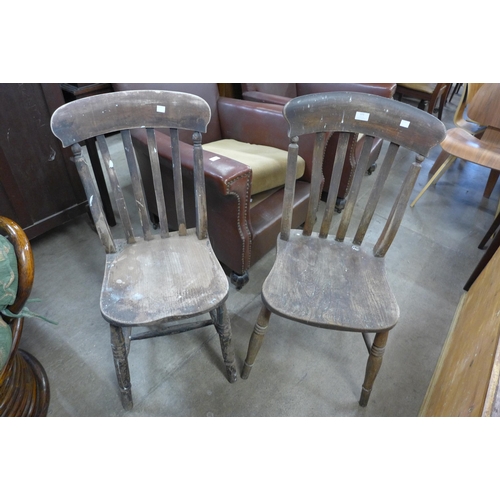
point(40, 188)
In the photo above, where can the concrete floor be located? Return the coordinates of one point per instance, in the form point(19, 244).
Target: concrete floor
point(300, 371)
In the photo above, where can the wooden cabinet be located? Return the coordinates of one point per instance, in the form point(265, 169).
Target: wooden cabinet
point(39, 186)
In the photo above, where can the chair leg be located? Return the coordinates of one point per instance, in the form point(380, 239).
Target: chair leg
point(373, 365)
point(441, 170)
point(256, 340)
point(492, 180)
point(442, 157)
point(222, 324)
point(119, 349)
point(491, 231)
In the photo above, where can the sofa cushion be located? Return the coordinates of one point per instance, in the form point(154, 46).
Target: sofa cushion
point(268, 164)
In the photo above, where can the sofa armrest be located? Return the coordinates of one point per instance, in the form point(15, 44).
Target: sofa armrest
point(256, 96)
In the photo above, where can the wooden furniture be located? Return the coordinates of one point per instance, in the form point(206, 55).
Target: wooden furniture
point(465, 381)
point(153, 279)
point(24, 386)
point(471, 143)
point(331, 281)
point(39, 187)
point(430, 93)
point(451, 92)
point(281, 93)
point(71, 92)
point(244, 214)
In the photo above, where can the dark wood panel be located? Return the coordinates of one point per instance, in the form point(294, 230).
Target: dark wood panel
point(39, 181)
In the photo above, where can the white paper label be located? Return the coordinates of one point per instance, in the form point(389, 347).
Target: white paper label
point(362, 116)
point(214, 158)
point(160, 109)
point(404, 123)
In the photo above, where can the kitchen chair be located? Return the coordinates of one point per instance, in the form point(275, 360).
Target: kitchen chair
point(432, 93)
point(24, 385)
point(331, 281)
point(476, 138)
point(152, 279)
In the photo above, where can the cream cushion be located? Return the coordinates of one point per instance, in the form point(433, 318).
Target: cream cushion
point(268, 164)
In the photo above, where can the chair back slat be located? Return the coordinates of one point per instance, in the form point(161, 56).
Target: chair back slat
point(157, 182)
point(135, 175)
point(351, 114)
point(340, 155)
point(316, 179)
point(177, 172)
point(375, 193)
point(398, 209)
point(127, 112)
point(116, 189)
point(360, 170)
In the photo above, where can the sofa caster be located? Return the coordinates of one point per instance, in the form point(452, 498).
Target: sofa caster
point(239, 280)
point(371, 169)
point(339, 205)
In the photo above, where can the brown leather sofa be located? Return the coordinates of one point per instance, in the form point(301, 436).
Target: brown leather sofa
point(242, 227)
point(281, 93)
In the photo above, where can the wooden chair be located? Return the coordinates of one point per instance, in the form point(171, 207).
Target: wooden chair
point(24, 386)
point(476, 138)
point(153, 279)
point(430, 93)
point(331, 281)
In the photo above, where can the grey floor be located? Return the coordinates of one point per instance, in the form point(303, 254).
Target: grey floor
point(300, 371)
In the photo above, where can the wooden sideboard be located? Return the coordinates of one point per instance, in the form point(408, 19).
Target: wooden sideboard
point(39, 185)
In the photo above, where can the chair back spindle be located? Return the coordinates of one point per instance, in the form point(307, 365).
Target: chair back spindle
point(94, 200)
point(289, 194)
point(199, 186)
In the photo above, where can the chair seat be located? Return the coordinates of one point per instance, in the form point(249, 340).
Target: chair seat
point(427, 88)
point(162, 279)
point(460, 143)
point(268, 164)
point(343, 287)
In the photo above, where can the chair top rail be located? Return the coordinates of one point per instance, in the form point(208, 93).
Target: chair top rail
point(367, 114)
point(106, 113)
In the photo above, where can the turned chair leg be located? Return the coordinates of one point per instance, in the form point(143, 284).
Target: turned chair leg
point(373, 365)
point(120, 352)
point(256, 340)
point(222, 324)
